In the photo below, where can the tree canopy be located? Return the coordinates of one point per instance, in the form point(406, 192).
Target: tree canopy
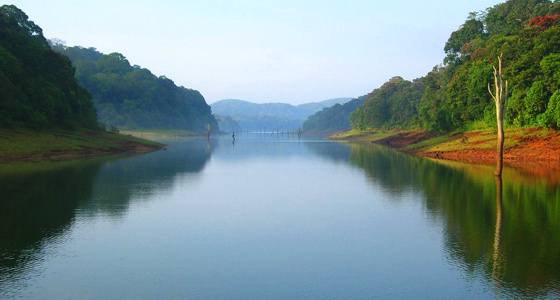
point(37, 85)
point(393, 105)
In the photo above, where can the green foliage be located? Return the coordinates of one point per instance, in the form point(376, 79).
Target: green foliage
point(455, 95)
point(431, 112)
point(551, 118)
point(333, 118)
point(473, 28)
point(130, 97)
point(38, 85)
point(393, 105)
point(508, 18)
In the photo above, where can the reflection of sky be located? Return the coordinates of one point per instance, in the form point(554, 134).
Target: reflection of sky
point(255, 145)
point(137, 177)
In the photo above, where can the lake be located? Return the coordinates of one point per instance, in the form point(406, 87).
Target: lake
point(276, 217)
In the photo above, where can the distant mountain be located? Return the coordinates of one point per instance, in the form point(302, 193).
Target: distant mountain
point(265, 123)
point(270, 116)
point(334, 118)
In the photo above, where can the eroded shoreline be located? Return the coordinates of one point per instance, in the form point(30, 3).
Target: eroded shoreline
point(532, 150)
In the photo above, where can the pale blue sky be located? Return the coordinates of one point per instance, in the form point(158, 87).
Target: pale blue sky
point(291, 51)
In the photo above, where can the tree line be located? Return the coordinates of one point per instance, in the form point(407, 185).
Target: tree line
point(454, 95)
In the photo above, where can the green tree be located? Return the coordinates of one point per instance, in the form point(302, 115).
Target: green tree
point(38, 85)
point(470, 30)
point(393, 105)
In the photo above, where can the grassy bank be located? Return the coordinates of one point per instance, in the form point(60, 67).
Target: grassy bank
point(366, 135)
point(57, 144)
point(159, 133)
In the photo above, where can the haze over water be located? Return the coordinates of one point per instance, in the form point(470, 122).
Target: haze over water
point(275, 217)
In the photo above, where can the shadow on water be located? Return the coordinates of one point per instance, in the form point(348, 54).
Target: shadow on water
point(334, 151)
point(40, 201)
point(37, 206)
point(119, 181)
point(507, 232)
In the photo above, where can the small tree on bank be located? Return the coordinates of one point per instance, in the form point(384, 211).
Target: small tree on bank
point(501, 100)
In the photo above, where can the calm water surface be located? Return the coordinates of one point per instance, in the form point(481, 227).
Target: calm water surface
point(275, 218)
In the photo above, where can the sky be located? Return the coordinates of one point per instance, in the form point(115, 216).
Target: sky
point(290, 51)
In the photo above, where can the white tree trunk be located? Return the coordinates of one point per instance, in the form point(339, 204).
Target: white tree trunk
point(501, 100)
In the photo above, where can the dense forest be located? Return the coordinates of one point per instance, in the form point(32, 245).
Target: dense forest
point(454, 95)
point(37, 85)
point(131, 97)
point(334, 118)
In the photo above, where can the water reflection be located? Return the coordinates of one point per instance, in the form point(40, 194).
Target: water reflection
point(37, 206)
point(497, 261)
point(119, 181)
point(40, 202)
point(338, 152)
point(507, 231)
point(504, 235)
point(260, 146)
point(391, 171)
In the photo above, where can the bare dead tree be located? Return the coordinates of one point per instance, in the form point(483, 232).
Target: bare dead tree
point(501, 99)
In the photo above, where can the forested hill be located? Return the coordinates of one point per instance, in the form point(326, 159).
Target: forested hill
point(131, 97)
point(526, 33)
point(37, 85)
point(334, 118)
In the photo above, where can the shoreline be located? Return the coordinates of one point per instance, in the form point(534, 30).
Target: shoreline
point(534, 150)
point(25, 145)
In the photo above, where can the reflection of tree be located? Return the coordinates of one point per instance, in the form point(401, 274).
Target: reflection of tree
point(524, 236)
point(338, 152)
point(497, 263)
point(120, 181)
point(390, 170)
point(39, 202)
